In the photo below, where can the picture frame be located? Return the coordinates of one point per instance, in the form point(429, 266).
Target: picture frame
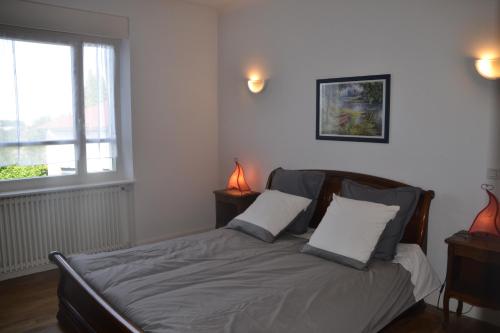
point(353, 108)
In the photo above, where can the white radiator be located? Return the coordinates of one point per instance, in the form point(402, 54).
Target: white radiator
point(71, 221)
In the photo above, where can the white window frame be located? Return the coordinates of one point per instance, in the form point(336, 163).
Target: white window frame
point(81, 175)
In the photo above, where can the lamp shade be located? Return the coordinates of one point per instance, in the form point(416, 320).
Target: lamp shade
point(488, 68)
point(487, 220)
point(256, 85)
point(237, 179)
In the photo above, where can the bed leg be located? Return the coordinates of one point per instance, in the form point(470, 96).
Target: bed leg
point(65, 320)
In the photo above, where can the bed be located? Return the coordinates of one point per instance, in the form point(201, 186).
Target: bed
point(226, 281)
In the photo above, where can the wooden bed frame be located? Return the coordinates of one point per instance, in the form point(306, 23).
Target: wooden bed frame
point(81, 309)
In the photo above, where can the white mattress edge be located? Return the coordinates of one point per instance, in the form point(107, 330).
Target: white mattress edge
point(423, 277)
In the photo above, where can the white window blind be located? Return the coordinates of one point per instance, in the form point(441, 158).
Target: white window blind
point(31, 14)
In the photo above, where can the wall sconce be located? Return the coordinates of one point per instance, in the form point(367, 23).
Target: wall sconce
point(488, 68)
point(256, 85)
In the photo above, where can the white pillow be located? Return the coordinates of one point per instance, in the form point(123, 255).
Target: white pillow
point(270, 213)
point(349, 231)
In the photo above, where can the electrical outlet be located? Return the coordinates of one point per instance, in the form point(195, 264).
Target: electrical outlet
point(492, 173)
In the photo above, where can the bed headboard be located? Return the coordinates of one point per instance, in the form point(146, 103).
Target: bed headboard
point(416, 230)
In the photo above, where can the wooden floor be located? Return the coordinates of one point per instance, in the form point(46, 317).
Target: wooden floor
point(29, 304)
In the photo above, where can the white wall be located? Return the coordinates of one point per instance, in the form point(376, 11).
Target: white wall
point(441, 110)
point(173, 57)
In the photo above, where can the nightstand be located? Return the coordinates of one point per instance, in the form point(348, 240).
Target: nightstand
point(473, 273)
point(230, 203)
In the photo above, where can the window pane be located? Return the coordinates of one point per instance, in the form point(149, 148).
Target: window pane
point(36, 105)
point(36, 91)
point(57, 160)
point(100, 157)
point(98, 71)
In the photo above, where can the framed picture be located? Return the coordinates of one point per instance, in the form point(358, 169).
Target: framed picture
point(353, 108)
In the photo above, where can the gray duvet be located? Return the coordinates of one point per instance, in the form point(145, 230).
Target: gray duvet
point(227, 281)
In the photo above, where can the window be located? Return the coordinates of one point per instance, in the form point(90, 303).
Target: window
point(57, 105)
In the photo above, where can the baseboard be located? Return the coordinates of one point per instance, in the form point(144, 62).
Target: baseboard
point(172, 235)
point(28, 271)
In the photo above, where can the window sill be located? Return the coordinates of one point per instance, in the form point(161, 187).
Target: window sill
point(66, 188)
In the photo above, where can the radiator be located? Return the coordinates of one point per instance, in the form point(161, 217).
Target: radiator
point(71, 221)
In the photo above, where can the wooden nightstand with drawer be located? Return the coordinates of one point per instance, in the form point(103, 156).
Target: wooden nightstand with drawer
point(473, 273)
point(231, 203)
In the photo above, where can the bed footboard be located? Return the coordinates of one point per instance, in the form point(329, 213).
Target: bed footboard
point(81, 309)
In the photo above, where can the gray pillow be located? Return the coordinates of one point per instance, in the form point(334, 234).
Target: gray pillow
point(251, 229)
point(405, 197)
point(304, 183)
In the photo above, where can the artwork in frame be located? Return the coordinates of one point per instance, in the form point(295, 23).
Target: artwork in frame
point(353, 108)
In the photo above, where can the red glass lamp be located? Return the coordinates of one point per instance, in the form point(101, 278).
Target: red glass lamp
point(487, 220)
point(237, 180)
